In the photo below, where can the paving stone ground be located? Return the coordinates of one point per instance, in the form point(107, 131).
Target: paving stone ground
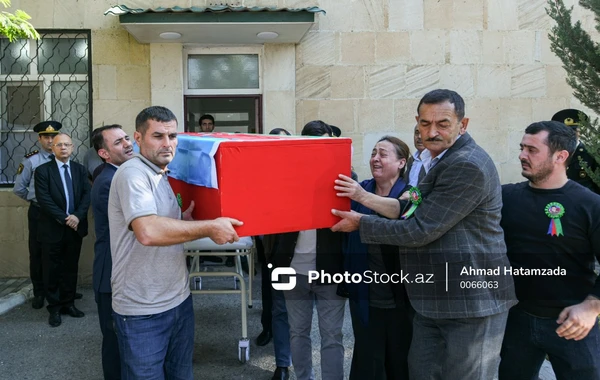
point(31, 349)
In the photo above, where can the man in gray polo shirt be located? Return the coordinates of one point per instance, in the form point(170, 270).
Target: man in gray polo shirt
point(154, 316)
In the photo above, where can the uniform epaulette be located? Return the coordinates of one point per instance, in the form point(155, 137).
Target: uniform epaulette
point(32, 153)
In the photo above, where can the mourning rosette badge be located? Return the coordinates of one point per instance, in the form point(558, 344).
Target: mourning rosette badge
point(555, 211)
point(414, 197)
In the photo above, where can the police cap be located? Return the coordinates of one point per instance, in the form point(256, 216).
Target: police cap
point(570, 117)
point(47, 127)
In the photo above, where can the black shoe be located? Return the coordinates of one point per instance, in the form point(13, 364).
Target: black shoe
point(54, 319)
point(264, 338)
point(281, 373)
point(78, 296)
point(72, 311)
point(38, 302)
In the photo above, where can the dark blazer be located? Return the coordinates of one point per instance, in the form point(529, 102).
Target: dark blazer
point(51, 197)
point(329, 250)
point(458, 222)
point(102, 257)
point(577, 173)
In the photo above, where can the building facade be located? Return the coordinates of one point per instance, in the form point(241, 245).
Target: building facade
point(361, 65)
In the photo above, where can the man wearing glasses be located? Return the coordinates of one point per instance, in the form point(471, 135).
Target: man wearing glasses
point(63, 194)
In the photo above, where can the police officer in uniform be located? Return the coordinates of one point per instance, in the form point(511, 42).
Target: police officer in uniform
point(575, 171)
point(24, 189)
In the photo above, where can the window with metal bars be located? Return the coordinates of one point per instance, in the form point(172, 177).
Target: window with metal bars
point(47, 79)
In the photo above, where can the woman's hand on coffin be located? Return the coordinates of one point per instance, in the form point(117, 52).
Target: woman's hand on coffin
point(347, 187)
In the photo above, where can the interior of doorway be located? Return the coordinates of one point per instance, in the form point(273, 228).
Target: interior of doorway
point(232, 114)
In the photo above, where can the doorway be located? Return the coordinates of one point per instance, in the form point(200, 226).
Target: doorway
point(232, 114)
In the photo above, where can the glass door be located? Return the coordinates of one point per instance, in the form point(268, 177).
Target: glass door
point(233, 114)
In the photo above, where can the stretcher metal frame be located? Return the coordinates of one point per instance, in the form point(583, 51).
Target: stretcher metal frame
point(244, 247)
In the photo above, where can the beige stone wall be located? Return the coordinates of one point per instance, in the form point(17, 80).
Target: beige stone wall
point(279, 86)
point(14, 254)
point(366, 64)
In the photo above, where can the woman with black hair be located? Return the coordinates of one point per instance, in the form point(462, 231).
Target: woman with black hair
point(313, 250)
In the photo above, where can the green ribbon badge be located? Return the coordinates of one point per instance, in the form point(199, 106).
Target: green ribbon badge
point(179, 200)
point(555, 211)
point(414, 196)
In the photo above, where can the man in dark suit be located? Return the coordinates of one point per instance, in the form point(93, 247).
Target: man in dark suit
point(575, 171)
point(448, 248)
point(63, 193)
point(114, 147)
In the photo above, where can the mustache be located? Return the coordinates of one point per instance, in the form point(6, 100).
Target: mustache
point(433, 139)
point(524, 162)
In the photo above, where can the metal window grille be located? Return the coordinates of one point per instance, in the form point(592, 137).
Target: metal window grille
point(48, 79)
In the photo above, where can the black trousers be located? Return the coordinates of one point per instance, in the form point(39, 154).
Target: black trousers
point(111, 361)
point(266, 317)
point(35, 252)
point(61, 264)
point(381, 348)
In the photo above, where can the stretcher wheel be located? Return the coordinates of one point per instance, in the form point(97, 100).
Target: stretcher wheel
point(244, 350)
point(196, 283)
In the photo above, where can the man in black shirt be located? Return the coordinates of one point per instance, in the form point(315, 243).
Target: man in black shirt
point(552, 233)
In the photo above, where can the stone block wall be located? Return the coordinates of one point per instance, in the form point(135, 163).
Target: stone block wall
point(366, 64)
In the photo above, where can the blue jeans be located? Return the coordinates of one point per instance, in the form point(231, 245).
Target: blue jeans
point(281, 330)
point(528, 339)
point(158, 346)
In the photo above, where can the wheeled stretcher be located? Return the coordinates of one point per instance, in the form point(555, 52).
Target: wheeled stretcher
point(244, 247)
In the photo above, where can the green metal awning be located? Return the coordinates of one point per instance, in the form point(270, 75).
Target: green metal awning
point(219, 24)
